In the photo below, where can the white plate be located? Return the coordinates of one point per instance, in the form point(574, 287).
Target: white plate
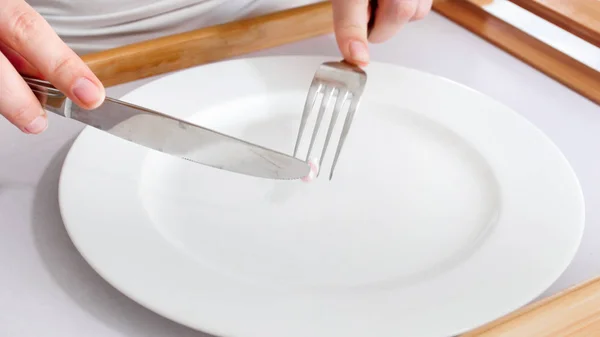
point(447, 210)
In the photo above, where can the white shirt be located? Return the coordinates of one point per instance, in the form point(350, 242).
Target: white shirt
point(93, 25)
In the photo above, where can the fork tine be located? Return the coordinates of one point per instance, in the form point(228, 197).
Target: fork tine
point(339, 103)
point(327, 94)
point(311, 98)
point(347, 124)
point(44, 91)
point(42, 87)
point(38, 82)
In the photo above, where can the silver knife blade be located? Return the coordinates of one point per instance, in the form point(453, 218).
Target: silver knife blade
point(160, 132)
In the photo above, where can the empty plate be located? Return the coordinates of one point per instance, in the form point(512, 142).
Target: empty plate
point(447, 210)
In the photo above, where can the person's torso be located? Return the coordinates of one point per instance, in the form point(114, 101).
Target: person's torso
point(92, 25)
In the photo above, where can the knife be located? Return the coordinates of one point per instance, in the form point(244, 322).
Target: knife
point(160, 132)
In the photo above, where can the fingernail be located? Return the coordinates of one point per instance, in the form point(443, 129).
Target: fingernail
point(87, 92)
point(38, 125)
point(359, 52)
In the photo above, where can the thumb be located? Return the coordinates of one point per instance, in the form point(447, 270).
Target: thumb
point(350, 20)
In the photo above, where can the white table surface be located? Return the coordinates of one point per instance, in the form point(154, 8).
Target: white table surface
point(47, 289)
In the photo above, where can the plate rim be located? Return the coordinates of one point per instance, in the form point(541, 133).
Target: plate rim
point(194, 325)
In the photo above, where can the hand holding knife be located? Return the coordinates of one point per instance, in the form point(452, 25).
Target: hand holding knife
point(160, 132)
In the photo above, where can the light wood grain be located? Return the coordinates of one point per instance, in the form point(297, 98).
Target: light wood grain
point(573, 313)
point(580, 17)
point(482, 2)
point(175, 52)
point(561, 67)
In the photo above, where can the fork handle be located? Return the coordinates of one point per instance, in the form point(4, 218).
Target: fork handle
point(373, 5)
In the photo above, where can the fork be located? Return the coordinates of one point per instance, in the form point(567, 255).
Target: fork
point(339, 82)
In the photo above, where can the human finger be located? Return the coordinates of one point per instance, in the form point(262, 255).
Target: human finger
point(350, 19)
point(26, 32)
point(391, 16)
point(18, 104)
point(422, 10)
point(19, 62)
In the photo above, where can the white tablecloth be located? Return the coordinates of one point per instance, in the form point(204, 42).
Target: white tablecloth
point(47, 289)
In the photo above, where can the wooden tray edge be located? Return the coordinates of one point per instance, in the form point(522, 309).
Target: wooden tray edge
point(550, 61)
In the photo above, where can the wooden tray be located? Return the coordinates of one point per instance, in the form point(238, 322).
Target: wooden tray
point(554, 63)
point(180, 51)
point(573, 313)
point(580, 17)
point(150, 58)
